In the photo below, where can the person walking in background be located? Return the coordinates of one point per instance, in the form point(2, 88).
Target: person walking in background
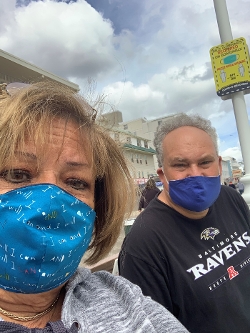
point(190, 249)
point(240, 187)
point(148, 193)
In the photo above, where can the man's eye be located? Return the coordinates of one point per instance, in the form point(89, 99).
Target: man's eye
point(77, 184)
point(16, 176)
point(205, 162)
point(179, 165)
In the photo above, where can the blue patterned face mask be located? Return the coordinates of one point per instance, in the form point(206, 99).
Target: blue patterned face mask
point(195, 193)
point(44, 232)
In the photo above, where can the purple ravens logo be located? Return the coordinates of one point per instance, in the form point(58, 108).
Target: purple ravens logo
point(209, 233)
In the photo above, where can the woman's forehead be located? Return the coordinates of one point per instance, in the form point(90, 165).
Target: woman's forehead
point(56, 129)
point(58, 135)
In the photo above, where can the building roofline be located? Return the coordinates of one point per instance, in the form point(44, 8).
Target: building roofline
point(31, 70)
point(146, 150)
point(129, 133)
point(130, 121)
point(146, 120)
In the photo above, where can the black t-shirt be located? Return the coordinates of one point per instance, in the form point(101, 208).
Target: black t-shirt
point(197, 269)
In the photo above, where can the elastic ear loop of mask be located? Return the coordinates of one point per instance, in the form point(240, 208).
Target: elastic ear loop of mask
point(165, 179)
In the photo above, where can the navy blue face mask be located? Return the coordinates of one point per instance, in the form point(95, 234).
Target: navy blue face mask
point(195, 193)
point(44, 234)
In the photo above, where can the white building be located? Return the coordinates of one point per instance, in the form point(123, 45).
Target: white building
point(138, 153)
point(226, 174)
point(145, 128)
point(140, 127)
point(235, 167)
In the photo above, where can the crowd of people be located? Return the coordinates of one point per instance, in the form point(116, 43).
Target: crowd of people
point(184, 264)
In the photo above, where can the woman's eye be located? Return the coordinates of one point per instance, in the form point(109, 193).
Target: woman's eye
point(16, 176)
point(77, 184)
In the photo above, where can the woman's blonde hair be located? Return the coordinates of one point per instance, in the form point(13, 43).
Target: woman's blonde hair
point(30, 110)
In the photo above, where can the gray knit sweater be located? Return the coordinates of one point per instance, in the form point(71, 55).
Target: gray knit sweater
point(100, 302)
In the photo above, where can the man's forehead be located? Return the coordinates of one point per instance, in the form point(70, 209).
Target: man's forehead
point(187, 135)
point(186, 158)
point(180, 147)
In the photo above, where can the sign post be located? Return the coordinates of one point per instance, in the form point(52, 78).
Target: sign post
point(231, 67)
point(237, 97)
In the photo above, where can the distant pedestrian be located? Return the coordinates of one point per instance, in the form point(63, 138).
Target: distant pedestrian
point(149, 192)
point(240, 187)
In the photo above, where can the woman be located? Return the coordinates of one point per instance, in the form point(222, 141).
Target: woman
point(148, 193)
point(57, 196)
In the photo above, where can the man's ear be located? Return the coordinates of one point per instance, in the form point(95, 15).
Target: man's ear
point(160, 174)
point(220, 164)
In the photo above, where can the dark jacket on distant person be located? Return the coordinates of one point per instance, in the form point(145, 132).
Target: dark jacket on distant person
point(149, 192)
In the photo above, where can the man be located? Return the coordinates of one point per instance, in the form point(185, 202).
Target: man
point(190, 248)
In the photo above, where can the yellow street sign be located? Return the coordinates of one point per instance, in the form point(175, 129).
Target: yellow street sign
point(231, 67)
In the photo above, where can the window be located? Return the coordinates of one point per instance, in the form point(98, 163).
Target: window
point(138, 142)
point(137, 159)
point(159, 122)
point(132, 158)
point(146, 144)
point(146, 161)
point(140, 159)
point(125, 126)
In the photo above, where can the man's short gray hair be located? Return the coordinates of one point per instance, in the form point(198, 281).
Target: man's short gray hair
point(180, 120)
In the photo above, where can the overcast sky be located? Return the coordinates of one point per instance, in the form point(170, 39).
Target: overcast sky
point(149, 57)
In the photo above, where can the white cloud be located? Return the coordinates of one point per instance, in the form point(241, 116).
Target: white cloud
point(234, 152)
point(66, 39)
point(177, 90)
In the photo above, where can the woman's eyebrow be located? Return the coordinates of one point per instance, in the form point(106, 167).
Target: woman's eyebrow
point(77, 164)
point(26, 154)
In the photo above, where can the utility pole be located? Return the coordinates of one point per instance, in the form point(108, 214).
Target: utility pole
point(239, 105)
